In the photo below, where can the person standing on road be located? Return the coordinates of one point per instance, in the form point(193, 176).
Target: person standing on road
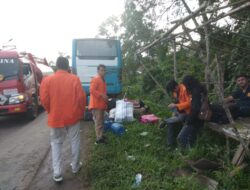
point(98, 102)
point(64, 99)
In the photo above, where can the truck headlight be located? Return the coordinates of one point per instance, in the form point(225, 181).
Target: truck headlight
point(16, 99)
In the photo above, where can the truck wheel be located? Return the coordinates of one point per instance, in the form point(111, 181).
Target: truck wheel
point(32, 112)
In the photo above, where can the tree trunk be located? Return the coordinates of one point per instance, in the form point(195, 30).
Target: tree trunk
point(175, 64)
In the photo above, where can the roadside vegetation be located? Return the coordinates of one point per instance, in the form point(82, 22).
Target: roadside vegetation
point(110, 166)
point(115, 165)
point(142, 150)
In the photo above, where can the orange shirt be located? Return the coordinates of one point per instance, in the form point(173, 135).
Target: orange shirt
point(97, 88)
point(184, 99)
point(63, 98)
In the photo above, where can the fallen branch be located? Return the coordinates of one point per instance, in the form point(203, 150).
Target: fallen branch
point(172, 29)
point(223, 15)
point(153, 78)
point(165, 35)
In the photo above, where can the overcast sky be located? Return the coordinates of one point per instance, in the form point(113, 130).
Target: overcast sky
point(45, 27)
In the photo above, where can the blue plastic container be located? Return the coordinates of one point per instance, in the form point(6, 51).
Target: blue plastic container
point(117, 129)
point(107, 125)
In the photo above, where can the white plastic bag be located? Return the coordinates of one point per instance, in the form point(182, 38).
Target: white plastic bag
point(112, 113)
point(124, 111)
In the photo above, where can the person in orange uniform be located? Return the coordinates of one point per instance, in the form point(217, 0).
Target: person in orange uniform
point(98, 102)
point(64, 99)
point(181, 108)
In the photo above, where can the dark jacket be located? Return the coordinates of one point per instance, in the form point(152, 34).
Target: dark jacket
point(196, 93)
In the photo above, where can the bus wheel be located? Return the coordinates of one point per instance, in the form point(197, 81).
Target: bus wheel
point(32, 112)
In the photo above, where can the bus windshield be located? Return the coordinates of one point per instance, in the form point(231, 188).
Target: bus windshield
point(96, 49)
point(9, 68)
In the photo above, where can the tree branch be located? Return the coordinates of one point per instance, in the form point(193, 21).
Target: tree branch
point(172, 29)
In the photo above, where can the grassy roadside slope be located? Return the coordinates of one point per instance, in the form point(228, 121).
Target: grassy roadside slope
point(109, 167)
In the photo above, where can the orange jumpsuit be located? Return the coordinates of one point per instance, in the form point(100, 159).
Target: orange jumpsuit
point(63, 98)
point(184, 99)
point(98, 104)
point(97, 88)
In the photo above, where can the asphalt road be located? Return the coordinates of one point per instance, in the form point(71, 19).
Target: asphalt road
point(23, 146)
point(25, 155)
point(43, 178)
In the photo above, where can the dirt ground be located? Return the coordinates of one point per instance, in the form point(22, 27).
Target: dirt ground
point(43, 178)
point(23, 145)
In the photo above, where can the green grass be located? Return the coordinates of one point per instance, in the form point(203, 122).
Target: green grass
point(109, 168)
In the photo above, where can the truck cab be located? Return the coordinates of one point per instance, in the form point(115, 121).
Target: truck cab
point(19, 84)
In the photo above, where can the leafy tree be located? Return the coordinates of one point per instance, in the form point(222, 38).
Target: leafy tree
point(140, 25)
point(138, 32)
point(110, 28)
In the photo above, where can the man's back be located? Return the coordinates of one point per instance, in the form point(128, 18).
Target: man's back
point(63, 98)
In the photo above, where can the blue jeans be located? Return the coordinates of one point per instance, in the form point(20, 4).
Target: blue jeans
point(244, 111)
point(188, 133)
point(172, 124)
point(187, 136)
point(243, 108)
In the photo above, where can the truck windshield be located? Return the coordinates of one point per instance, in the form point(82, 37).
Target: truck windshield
point(9, 68)
point(96, 49)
